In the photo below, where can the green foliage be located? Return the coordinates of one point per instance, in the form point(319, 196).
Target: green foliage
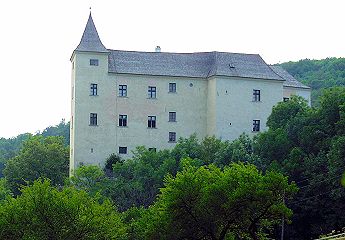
point(89, 178)
point(10, 147)
point(318, 74)
point(210, 203)
point(284, 112)
point(136, 181)
point(39, 157)
point(308, 145)
point(44, 212)
point(62, 129)
point(5, 192)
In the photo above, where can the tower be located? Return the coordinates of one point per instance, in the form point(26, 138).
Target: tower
point(89, 67)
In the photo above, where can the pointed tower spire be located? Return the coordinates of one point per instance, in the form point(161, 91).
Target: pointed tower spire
point(90, 41)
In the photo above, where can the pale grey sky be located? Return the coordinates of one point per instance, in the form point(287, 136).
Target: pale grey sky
point(38, 37)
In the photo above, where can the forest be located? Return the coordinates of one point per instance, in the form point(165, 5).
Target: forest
point(318, 74)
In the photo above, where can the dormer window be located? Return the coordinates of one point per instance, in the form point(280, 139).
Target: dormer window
point(93, 62)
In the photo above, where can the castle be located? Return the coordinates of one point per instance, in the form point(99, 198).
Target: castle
point(124, 99)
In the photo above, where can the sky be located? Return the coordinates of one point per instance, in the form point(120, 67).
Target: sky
point(38, 37)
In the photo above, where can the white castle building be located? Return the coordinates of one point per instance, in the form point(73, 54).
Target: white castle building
point(124, 99)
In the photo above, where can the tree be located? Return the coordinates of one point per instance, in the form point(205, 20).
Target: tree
point(210, 203)
point(39, 157)
point(44, 212)
point(89, 178)
point(61, 129)
point(283, 112)
point(4, 190)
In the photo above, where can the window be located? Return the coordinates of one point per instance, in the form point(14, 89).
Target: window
point(172, 116)
point(285, 99)
point(122, 150)
point(256, 125)
point(152, 92)
point(93, 119)
point(122, 90)
point(256, 95)
point(93, 62)
point(153, 149)
point(93, 89)
point(172, 136)
point(172, 87)
point(123, 120)
point(151, 122)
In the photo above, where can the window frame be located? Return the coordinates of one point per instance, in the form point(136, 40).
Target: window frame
point(256, 95)
point(172, 116)
point(152, 92)
point(256, 125)
point(93, 119)
point(122, 90)
point(172, 87)
point(172, 136)
point(151, 121)
point(93, 89)
point(123, 152)
point(94, 62)
point(123, 120)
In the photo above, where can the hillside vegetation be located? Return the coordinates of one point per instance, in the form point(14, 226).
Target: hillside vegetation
point(318, 74)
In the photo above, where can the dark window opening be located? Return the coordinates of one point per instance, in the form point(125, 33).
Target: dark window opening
point(256, 125)
point(152, 93)
point(153, 149)
point(151, 122)
point(93, 119)
point(123, 120)
point(93, 62)
point(172, 136)
point(122, 150)
point(122, 90)
point(93, 89)
point(172, 87)
point(172, 116)
point(256, 95)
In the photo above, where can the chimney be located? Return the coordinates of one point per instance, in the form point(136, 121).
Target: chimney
point(158, 49)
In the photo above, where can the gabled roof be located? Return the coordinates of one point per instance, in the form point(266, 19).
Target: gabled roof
point(203, 65)
point(90, 41)
point(290, 81)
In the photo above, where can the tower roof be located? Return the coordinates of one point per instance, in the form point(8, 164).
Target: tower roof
point(90, 41)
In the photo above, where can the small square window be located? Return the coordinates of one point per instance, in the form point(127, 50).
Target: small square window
point(93, 89)
point(93, 62)
point(93, 119)
point(256, 95)
point(122, 150)
point(172, 87)
point(172, 116)
point(151, 122)
point(256, 125)
point(172, 136)
point(122, 90)
point(123, 120)
point(152, 93)
point(153, 149)
point(285, 99)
